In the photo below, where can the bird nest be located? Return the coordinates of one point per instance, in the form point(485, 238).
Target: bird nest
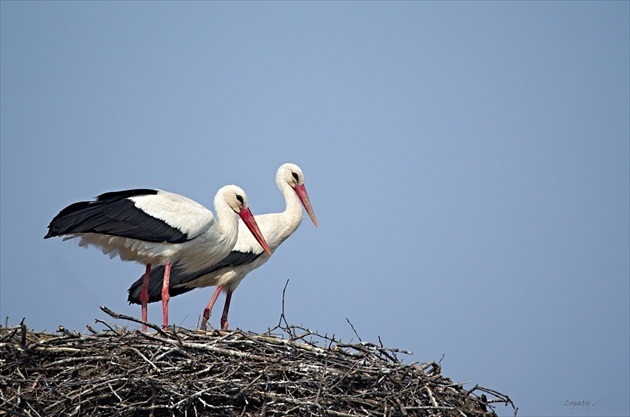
point(287, 371)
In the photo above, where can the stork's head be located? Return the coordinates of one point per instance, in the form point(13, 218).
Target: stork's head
point(293, 175)
point(236, 199)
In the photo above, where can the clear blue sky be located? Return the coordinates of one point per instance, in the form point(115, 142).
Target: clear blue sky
point(468, 163)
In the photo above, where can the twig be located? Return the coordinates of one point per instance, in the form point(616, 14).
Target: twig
point(137, 352)
point(125, 317)
point(11, 412)
point(110, 327)
point(282, 316)
point(355, 332)
point(67, 332)
point(23, 328)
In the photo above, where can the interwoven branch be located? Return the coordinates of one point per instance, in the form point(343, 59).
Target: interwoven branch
point(288, 371)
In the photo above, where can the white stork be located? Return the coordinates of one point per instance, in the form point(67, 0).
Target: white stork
point(246, 256)
point(157, 227)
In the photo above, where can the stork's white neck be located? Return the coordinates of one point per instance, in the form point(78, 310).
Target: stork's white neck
point(226, 220)
point(292, 214)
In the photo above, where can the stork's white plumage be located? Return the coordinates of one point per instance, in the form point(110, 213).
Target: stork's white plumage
point(246, 255)
point(157, 227)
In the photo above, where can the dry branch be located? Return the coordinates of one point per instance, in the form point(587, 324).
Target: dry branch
point(288, 371)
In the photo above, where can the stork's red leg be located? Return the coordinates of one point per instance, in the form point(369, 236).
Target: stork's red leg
point(165, 294)
point(144, 296)
point(226, 308)
point(206, 311)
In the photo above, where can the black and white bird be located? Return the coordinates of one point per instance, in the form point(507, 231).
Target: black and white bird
point(157, 227)
point(246, 255)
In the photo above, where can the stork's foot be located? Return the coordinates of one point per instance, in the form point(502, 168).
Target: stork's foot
point(204, 319)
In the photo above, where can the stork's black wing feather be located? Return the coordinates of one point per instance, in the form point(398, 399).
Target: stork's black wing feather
point(178, 277)
point(114, 214)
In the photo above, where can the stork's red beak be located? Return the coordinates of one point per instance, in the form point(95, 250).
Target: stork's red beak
point(250, 222)
point(300, 189)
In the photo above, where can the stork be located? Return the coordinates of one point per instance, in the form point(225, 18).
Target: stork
point(246, 255)
point(157, 227)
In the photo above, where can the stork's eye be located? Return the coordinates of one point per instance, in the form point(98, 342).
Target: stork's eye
point(295, 176)
point(240, 198)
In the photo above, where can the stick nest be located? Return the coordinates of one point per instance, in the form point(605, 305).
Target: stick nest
point(287, 371)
